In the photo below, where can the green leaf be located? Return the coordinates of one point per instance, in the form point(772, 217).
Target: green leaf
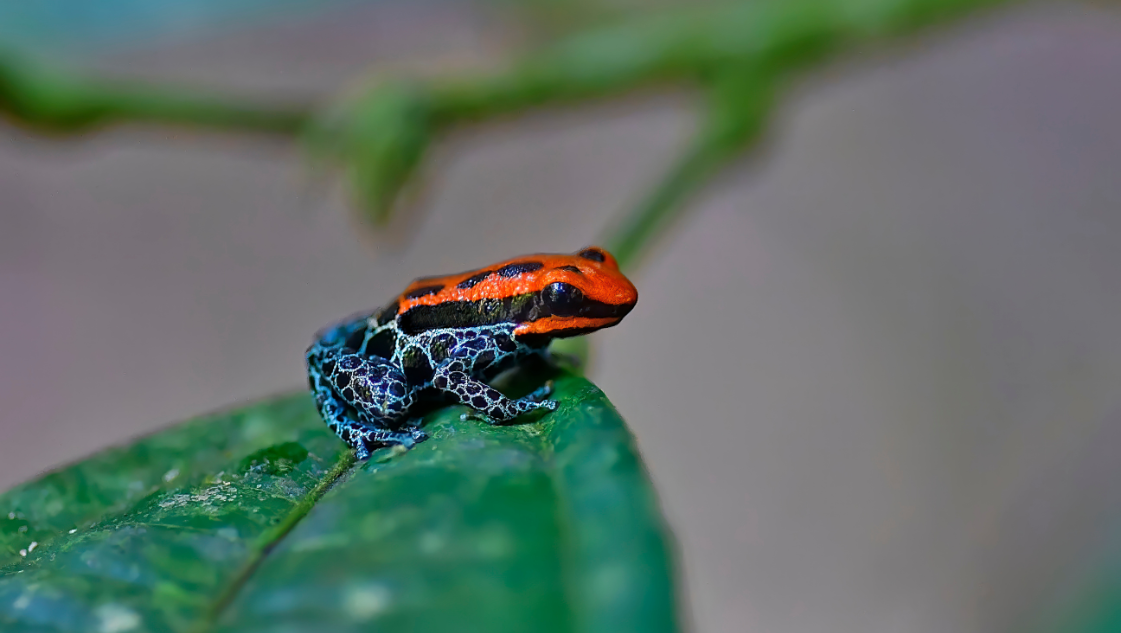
point(260, 520)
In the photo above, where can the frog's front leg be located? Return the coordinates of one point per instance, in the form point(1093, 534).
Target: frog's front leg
point(363, 399)
point(451, 379)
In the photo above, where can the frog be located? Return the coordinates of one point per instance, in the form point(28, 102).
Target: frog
point(444, 338)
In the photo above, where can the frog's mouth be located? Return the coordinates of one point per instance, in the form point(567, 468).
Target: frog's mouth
point(538, 333)
point(588, 317)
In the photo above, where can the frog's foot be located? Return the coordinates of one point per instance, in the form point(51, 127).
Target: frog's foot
point(399, 449)
point(366, 439)
point(536, 398)
point(542, 392)
point(416, 432)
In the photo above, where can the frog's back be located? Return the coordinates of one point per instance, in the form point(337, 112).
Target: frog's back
point(593, 270)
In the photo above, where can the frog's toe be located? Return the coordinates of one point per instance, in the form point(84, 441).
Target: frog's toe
point(373, 439)
point(410, 438)
point(542, 392)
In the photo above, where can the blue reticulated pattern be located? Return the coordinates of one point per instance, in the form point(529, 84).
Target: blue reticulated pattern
point(367, 375)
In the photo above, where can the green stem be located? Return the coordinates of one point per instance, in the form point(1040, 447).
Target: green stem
point(655, 214)
point(206, 112)
point(52, 102)
point(740, 100)
point(383, 138)
point(737, 52)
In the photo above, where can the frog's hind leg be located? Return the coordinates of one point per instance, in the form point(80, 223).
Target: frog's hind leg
point(361, 398)
point(497, 408)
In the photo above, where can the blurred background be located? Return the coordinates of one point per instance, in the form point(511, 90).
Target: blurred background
point(875, 374)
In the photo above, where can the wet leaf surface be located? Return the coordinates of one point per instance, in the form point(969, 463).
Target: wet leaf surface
point(260, 520)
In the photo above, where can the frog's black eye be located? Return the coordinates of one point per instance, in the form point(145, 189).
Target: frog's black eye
point(563, 299)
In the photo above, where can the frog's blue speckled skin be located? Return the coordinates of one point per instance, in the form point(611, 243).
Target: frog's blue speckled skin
point(365, 398)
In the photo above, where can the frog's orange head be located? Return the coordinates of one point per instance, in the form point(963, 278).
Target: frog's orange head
point(546, 295)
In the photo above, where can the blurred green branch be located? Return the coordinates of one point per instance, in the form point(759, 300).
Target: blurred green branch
point(51, 102)
point(736, 55)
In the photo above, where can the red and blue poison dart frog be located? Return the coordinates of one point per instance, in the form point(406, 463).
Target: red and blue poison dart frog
point(444, 337)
